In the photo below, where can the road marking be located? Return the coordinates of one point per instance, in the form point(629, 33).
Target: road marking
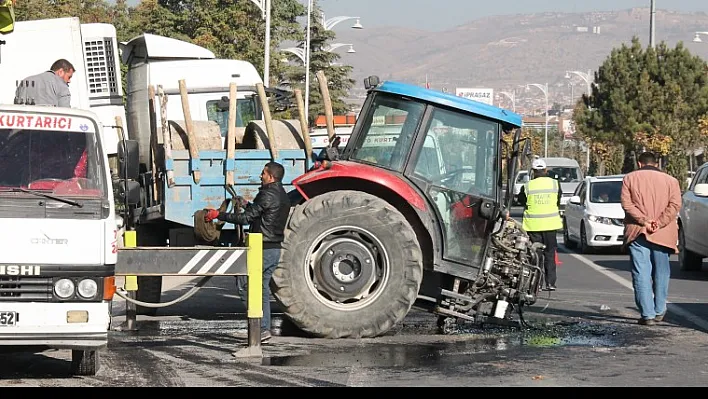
point(673, 308)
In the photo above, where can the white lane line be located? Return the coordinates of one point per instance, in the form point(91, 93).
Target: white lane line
point(673, 308)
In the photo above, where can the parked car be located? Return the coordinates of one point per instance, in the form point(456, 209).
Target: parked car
point(594, 216)
point(522, 177)
point(693, 222)
point(567, 172)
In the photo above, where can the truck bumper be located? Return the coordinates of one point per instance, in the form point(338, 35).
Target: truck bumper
point(68, 325)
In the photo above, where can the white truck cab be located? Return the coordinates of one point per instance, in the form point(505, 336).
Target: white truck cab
point(154, 60)
point(92, 49)
point(58, 238)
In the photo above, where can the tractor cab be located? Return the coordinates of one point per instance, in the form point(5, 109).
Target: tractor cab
point(448, 148)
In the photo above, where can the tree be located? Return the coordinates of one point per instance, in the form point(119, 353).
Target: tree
point(338, 76)
point(646, 100)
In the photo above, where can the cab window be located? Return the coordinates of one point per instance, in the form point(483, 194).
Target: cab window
point(218, 111)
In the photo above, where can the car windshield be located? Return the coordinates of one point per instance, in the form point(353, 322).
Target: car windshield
point(565, 174)
point(521, 177)
point(606, 192)
point(60, 162)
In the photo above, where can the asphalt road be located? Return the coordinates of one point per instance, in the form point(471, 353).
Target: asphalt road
point(584, 334)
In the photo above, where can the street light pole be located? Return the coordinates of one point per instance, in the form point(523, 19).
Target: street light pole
point(264, 6)
point(544, 89)
point(587, 77)
point(307, 60)
point(511, 96)
point(697, 37)
point(652, 24)
point(327, 24)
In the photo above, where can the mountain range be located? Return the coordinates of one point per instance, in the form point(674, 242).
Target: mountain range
point(506, 53)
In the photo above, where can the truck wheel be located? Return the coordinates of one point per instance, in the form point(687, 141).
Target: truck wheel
point(149, 290)
point(84, 362)
point(351, 266)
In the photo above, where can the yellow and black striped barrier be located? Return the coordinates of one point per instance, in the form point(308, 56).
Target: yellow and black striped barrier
point(136, 261)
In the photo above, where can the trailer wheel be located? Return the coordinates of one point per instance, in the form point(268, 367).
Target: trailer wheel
point(84, 362)
point(149, 290)
point(350, 267)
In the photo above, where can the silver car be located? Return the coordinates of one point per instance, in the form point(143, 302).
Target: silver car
point(693, 222)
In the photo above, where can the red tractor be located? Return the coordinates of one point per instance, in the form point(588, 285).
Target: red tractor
point(412, 209)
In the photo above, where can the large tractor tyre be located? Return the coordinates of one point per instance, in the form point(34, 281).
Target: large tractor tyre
point(150, 291)
point(85, 362)
point(350, 267)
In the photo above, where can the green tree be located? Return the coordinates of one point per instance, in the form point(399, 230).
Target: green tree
point(646, 100)
point(338, 75)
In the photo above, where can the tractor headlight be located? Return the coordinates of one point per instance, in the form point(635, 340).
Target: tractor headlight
point(64, 288)
point(87, 288)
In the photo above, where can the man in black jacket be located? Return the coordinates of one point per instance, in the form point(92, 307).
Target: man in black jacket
point(267, 214)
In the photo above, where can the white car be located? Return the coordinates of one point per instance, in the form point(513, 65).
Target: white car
point(693, 222)
point(594, 216)
point(522, 177)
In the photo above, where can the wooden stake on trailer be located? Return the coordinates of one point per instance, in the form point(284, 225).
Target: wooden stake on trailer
point(303, 124)
point(166, 142)
point(153, 138)
point(189, 127)
point(327, 101)
point(231, 132)
point(268, 120)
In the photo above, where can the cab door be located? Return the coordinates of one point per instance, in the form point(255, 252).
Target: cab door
point(574, 212)
point(459, 177)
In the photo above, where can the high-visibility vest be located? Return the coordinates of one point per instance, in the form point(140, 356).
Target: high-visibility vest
point(541, 212)
point(7, 16)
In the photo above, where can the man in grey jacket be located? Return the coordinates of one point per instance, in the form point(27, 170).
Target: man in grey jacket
point(47, 88)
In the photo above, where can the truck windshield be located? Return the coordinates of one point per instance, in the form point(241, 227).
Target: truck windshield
point(565, 174)
point(65, 163)
point(218, 111)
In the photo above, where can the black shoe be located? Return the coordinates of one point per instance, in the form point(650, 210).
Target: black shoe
point(647, 322)
point(551, 288)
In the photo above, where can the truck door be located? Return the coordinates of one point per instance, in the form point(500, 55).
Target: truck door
point(460, 171)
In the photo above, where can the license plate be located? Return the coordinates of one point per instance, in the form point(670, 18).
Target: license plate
point(9, 318)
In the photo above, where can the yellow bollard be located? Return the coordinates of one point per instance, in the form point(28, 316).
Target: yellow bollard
point(130, 240)
point(254, 263)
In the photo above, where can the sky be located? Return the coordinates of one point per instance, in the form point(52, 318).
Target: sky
point(435, 15)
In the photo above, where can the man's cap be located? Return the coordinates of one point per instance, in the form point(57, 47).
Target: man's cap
point(538, 164)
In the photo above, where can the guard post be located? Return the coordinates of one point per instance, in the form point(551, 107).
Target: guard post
point(130, 285)
point(254, 264)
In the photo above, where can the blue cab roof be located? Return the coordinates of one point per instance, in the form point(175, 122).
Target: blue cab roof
point(450, 100)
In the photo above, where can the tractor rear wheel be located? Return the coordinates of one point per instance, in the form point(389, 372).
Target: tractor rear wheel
point(350, 267)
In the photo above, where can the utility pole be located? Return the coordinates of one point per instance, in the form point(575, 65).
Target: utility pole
point(652, 24)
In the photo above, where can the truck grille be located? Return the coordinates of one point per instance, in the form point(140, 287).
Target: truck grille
point(25, 289)
point(100, 68)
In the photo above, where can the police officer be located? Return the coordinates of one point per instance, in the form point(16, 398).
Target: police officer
point(47, 88)
point(541, 200)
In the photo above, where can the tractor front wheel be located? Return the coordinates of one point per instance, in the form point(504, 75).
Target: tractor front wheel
point(351, 266)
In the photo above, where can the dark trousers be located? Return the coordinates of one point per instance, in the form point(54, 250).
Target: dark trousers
point(548, 238)
point(271, 256)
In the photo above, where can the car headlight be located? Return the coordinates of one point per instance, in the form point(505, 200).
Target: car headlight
point(87, 288)
point(64, 288)
point(600, 219)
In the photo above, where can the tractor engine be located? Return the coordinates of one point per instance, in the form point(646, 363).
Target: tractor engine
point(509, 279)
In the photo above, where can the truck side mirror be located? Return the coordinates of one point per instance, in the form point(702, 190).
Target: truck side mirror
point(128, 159)
point(129, 192)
